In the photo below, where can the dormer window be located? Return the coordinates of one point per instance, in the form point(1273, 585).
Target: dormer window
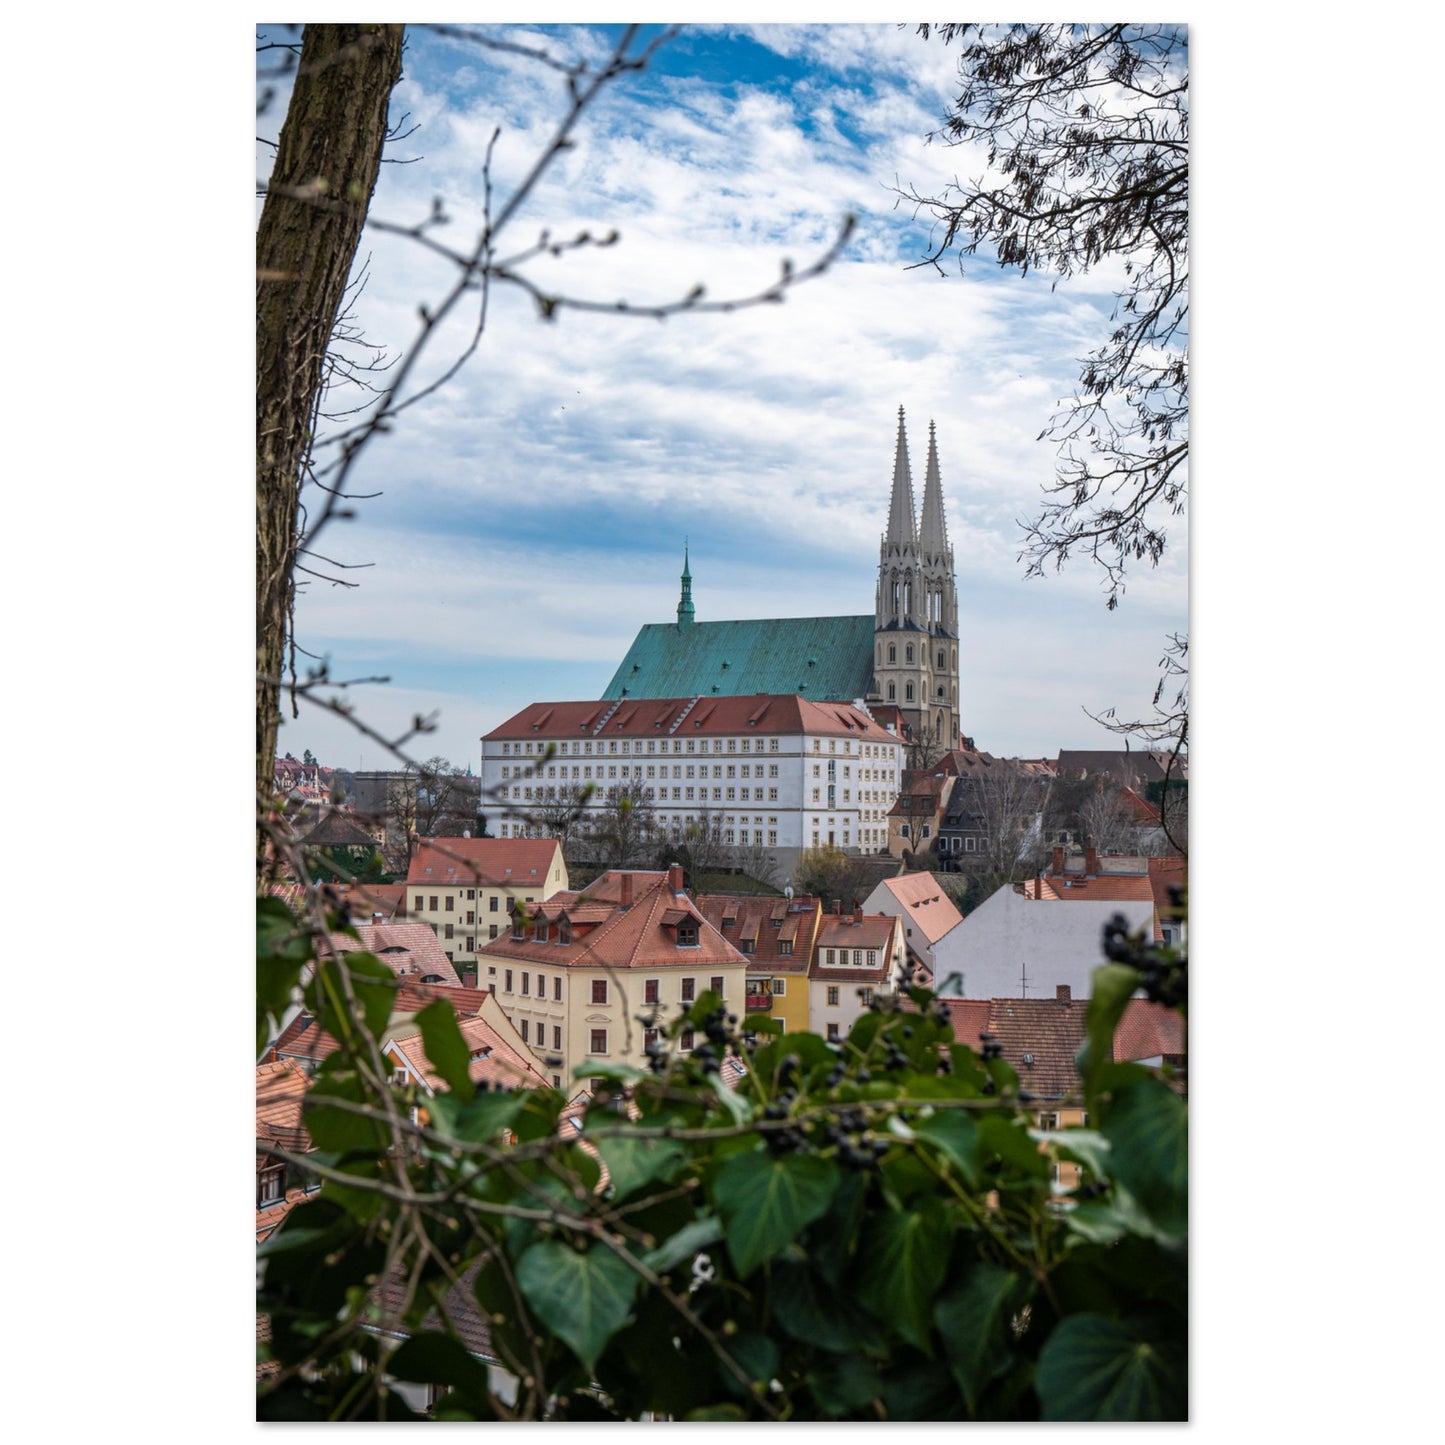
point(564, 930)
point(687, 933)
point(271, 1186)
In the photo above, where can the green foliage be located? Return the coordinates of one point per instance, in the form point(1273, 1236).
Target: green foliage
point(859, 1232)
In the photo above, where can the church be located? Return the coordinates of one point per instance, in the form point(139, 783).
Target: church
point(902, 661)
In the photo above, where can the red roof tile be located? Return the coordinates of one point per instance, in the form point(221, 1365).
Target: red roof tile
point(926, 906)
point(410, 950)
point(637, 936)
point(1148, 1031)
point(760, 713)
point(494, 862)
point(751, 918)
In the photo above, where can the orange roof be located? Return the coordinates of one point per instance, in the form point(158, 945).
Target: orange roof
point(637, 936)
point(1101, 887)
point(494, 1060)
point(688, 717)
point(969, 1017)
point(280, 1089)
point(494, 862)
point(752, 917)
point(927, 906)
point(1148, 1030)
point(839, 930)
point(1164, 873)
point(410, 950)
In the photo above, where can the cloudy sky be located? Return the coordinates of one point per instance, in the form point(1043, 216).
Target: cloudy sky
point(531, 516)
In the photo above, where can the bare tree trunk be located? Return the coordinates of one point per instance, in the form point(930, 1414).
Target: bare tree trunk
point(325, 170)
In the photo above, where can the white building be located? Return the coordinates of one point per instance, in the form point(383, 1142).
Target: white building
point(1017, 946)
point(781, 772)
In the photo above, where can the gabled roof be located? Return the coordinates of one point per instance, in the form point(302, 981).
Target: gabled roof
point(924, 903)
point(692, 715)
point(751, 916)
point(818, 657)
point(475, 862)
point(410, 950)
point(920, 794)
point(1149, 1031)
point(1165, 873)
point(495, 1059)
point(875, 931)
point(1121, 765)
point(642, 934)
point(1039, 1038)
point(1109, 887)
point(280, 1089)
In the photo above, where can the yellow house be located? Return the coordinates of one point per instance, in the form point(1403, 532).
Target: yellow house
point(465, 887)
point(596, 975)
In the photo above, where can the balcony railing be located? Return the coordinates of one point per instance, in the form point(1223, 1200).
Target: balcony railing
point(757, 1003)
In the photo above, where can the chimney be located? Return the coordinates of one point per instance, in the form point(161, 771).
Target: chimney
point(857, 911)
point(1062, 993)
point(627, 890)
point(674, 877)
point(1058, 866)
point(1091, 860)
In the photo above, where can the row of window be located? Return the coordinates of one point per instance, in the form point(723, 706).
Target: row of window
point(600, 988)
point(585, 748)
point(865, 997)
point(493, 903)
point(611, 747)
point(908, 654)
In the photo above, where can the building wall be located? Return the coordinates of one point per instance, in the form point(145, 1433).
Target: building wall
point(781, 792)
point(466, 916)
point(568, 1012)
point(1016, 947)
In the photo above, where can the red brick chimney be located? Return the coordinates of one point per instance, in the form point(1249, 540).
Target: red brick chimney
point(1058, 864)
point(857, 911)
point(674, 877)
point(1091, 861)
point(627, 890)
point(1062, 993)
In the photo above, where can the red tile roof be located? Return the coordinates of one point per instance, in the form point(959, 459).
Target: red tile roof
point(1148, 1031)
point(410, 950)
point(760, 713)
point(493, 862)
point(969, 1017)
point(875, 931)
point(926, 906)
point(1164, 873)
point(280, 1089)
point(751, 918)
point(637, 936)
point(495, 1060)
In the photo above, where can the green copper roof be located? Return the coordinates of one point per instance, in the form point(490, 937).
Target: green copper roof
point(822, 658)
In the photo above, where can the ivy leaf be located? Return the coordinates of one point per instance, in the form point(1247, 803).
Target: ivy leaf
point(446, 1049)
point(811, 1313)
point(689, 1241)
point(1095, 1368)
point(477, 1121)
point(765, 1202)
point(438, 1359)
point(905, 1257)
point(974, 1323)
point(633, 1160)
point(583, 1298)
point(1112, 987)
point(1146, 1126)
point(956, 1136)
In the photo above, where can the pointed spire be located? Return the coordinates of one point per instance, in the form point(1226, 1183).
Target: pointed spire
point(933, 530)
point(902, 530)
point(684, 606)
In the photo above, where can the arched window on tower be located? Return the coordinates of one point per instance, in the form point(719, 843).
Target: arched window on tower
point(908, 596)
point(908, 693)
point(908, 653)
point(892, 692)
point(940, 692)
point(896, 596)
point(892, 652)
point(940, 659)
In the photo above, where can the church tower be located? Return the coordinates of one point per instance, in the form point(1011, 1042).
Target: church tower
point(915, 652)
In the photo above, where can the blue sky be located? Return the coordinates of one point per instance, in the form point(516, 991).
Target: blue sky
point(531, 516)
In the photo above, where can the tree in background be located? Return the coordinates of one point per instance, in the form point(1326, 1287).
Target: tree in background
point(434, 799)
point(1086, 132)
point(827, 872)
point(622, 831)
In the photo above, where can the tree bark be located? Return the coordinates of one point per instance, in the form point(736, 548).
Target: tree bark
point(321, 185)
